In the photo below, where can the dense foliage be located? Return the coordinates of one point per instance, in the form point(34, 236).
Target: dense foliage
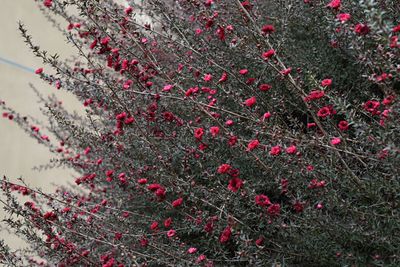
point(219, 133)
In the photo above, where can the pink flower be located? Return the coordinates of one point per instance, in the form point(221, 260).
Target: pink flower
point(167, 88)
point(275, 150)
point(243, 71)
point(262, 200)
point(336, 141)
point(198, 31)
point(171, 233)
point(268, 54)
point(326, 82)
point(225, 235)
point(229, 123)
point(207, 77)
point(214, 131)
point(252, 145)
point(192, 250)
point(201, 258)
point(39, 71)
point(177, 203)
point(334, 4)
point(250, 102)
point(291, 150)
point(223, 168)
point(235, 184)
point(343, 17)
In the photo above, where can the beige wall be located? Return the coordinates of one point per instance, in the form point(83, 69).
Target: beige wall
point(18, 152)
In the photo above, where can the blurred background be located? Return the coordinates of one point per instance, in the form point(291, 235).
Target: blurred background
point(18, 152)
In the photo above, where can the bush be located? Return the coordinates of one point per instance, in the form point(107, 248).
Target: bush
point(220, 133)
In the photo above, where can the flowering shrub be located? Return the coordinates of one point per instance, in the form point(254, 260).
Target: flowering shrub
point(219, 133)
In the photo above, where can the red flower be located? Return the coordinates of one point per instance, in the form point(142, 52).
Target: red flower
point(324, 112)
point(396, 28)
point(198, 133)
point(154, 226)
point(326, 82)
point(274, 209)
point(160, 192)
point(250, 102)
point(232, 140)
point(221, 33)
point(47, 3)
point(177, 203)
point(142, 181)
point(225, 235)
point(252, 145)
point(128, 10)
point(313, 95)
point(361, 29)
point(286, 72)
point(262, 200)
point(39, 71)
point(268, 54)
point(235, 184)
point(168, 222)
point(334, 4)
point(266, 116)
point(153, 187)
point(372, 106)
point(260, 241)
point(298, 206)
point(264, 87)
point(224, 168)
point(223, 78)
point(343, 125)
point(275, 150)
point(291, 150)
point(388, 100)
point(214, 131)
point(268, 29)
